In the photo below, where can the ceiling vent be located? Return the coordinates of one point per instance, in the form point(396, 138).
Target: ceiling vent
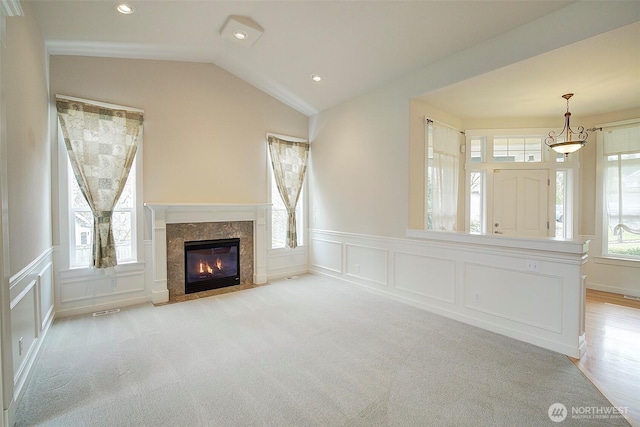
point(241, 30)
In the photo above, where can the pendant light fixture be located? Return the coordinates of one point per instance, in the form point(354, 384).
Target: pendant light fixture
point(567, 141)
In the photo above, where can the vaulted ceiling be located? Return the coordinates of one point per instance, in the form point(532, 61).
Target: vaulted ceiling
point(356, 46)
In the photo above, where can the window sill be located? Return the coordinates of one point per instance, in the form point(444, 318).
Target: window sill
point(621, 262)
point(286, 250)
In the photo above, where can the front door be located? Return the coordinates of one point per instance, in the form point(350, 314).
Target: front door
point(520, 199)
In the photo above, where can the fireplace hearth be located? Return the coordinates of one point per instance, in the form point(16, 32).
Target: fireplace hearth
point(211, 264)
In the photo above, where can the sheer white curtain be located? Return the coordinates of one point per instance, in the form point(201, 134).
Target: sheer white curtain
point(442, 148)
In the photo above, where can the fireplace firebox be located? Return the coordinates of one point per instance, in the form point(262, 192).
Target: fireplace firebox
point(211, 264)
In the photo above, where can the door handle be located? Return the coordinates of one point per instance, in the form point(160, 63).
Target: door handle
point(498, 232)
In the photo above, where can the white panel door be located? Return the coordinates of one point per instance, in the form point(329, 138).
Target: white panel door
point(520, 199)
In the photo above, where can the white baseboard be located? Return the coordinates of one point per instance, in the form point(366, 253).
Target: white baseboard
point(613, 289)
point(294, 271)
point(100, 307)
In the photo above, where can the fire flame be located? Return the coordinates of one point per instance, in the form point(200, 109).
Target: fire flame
point(205, 268)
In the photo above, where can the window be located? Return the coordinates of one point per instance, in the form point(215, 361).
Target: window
point(517, 149)
point(476, 151)
point(291, 157)
point(621, 191)
point(115, 134)
point(476, 202)
point(81, 223)
point(279, 217)
point(442, 144)
point(563, 207)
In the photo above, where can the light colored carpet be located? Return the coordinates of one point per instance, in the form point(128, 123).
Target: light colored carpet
point(310, 351)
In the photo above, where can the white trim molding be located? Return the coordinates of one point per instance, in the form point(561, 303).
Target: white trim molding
point(532, 290)
point(8, 8)
point(32, 311)
point(178, 213)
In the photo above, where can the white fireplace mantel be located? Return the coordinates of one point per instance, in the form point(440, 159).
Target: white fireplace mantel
point(182, 213)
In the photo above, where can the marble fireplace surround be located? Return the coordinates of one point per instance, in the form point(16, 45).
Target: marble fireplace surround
point(197, 217)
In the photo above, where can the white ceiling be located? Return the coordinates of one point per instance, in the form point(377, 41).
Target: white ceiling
point(356, 46)
point(603, 73)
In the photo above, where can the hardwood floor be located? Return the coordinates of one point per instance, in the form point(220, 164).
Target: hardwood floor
point(612, 360)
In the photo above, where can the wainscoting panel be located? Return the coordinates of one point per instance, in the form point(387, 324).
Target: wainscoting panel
point(425, 276)
point(326, 255)
point(528, 298)
point(287, 262)
point(614, 275)
point(45, 291)
point(93, 286)
point(82, 291)
point(24, 326)
point(527, 289)
point(366, 262)
point(31, 303)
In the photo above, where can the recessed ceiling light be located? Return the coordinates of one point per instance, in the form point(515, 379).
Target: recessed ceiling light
point(125, 9)
point(315, 77)
point(240, 35)
point(241, 30)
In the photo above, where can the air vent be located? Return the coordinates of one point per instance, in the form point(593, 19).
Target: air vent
point(105, 312)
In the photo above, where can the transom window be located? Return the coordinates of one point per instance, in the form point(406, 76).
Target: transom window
point(517, 149)
point(476, 149)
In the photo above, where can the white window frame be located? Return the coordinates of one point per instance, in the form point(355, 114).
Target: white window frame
point(66, 212)
point(549, 162)
point(483, 200)
point(600, 252)
point(301, 207)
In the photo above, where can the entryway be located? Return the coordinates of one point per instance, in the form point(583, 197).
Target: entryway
point(520, 202)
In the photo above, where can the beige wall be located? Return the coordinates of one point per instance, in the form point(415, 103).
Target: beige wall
point(204, 131)
point(359, 170)
point(24, 80)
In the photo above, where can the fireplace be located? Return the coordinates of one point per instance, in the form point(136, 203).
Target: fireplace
point(176, 223)
point(211, 264)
